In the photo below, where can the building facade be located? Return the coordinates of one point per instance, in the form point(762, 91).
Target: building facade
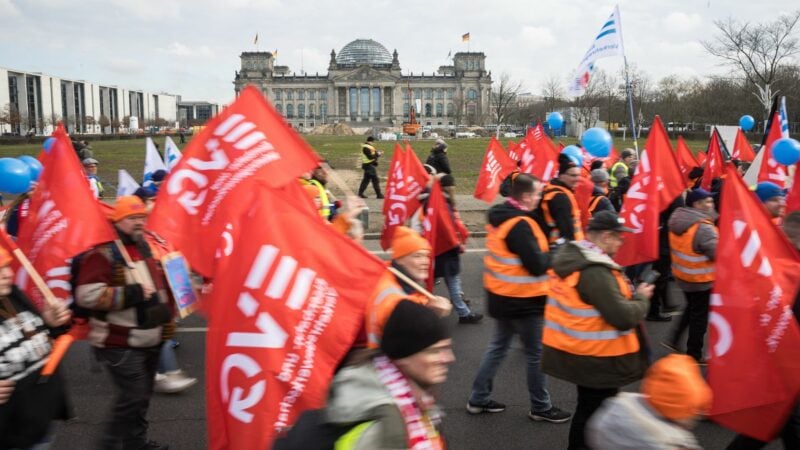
point(195, 113)
point(364, 86)
point(31, 102)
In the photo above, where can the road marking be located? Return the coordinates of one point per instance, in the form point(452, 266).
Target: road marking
point(193, 330)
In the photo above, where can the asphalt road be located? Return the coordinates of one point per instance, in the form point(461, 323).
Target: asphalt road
point(179, 420)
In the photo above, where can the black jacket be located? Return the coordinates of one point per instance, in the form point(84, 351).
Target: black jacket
point(521, 241)
point(438, 160)
point(561, 210)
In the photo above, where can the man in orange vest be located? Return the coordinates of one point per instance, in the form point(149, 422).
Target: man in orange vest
point(592, 317)
point(693, 248)
point(517, 284)
point(559, 212)
point(600, 201)
point(411, 255)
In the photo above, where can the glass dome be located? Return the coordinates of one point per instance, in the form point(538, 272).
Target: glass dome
point(363, 51)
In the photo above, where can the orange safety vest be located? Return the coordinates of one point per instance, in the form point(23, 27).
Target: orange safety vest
point(550, 191)
point(504, 273)
point(387, 294)
point(574, 326)
point(688, 265)
point(594, 202)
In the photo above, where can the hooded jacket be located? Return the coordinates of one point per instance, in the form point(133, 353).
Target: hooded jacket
point(438, 160)
point(520, 240)
point(705, 240)
point(598, 287)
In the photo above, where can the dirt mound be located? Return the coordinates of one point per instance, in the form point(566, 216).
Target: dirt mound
point(334, 129)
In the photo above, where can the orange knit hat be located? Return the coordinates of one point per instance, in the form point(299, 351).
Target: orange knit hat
point(407, 241)
point(676, 388)
point(128, 205)
point(5, 257)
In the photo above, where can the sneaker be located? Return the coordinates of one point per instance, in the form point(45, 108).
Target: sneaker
point(173, 382)
point(552, 415)
point(379, 196)
point(490, 407)
point(362, 196)
point(470, 318)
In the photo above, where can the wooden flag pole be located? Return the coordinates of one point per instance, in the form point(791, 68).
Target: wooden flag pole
point(135, 272)
point(37, 279)
point(412, 283)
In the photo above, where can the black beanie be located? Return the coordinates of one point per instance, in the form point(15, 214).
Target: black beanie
point(565, 163)
point(410, 329)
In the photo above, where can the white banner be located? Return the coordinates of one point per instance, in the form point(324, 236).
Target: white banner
point(607, 43)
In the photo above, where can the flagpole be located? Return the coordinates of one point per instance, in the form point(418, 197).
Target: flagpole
point(630, 106)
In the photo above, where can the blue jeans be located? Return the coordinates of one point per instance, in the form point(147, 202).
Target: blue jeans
point(168, 361)
point(529, 329)
point(453, 283)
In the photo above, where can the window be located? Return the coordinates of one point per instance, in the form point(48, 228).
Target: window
point(312, 95)
point(290, 111)
point(405, 94)
point(323, 94)
point(289, 94)
point(323, 110)
point(428, 94)
point(439, 110)
point(353, 103)
point(311, 110)
point(301, 94)
point(364, 102)
point(472, 94)
point(376, 103)
point(405, 109)
point(451, 93)
point(418, 93)
point(428, 110)
point(439, 94)
point(301, 110)
point(279, 108)
point(450, 109)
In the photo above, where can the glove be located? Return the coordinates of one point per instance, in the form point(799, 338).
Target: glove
point(133, 295)
point(152, 314)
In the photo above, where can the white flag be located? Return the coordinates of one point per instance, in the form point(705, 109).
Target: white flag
point(607, 43)
point(152, 163)
point(126, 185)
point(172, 154)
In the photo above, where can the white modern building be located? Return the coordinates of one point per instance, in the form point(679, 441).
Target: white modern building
point(35, 102)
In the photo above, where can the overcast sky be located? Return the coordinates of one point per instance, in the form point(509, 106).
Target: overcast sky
point(192, 48)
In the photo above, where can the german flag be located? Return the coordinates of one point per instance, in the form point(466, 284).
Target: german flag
point(465, 37)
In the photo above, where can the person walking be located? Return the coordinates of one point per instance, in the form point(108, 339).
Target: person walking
point(384, 399)
point(693, 246)
point(438, 158)
point(620, 168)
point(517, 284)
point(600, 201)
point(369, 163)
point(592, 320)
point(128, 312)
point(559, 209)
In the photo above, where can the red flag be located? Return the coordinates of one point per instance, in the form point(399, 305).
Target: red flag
point(612, 157)
point(439, 227)
point(770, 170)
point(64, 220)
point(583, 195)
point(407, 178)
point(742, 150)
point(685, 158)
point(247, 141)
point(655, 184)
point(513, 150)
point(755, 340)
point(281, 318)
point(715, 162)
point(793, 199)
point(701, 157)
point(541, 160)
point(496, 166)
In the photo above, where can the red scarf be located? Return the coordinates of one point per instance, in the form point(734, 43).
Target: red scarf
point(420, 430)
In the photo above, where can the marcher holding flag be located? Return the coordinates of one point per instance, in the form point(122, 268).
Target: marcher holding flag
point(27, 407)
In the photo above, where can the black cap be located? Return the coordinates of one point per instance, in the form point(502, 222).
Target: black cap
point(370, 139)
point(410, 329)
point(607, 221)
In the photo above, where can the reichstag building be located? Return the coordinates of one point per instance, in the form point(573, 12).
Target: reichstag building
point(364, 87)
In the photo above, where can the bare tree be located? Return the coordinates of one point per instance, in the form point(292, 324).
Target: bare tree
point(104, 123)
point(553, 93)
point(586, 108)
point(758, 51)
point(503, 98)
point(458, 106)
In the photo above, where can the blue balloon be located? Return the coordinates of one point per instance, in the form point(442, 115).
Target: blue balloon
point(555, 120)
point(597, 142)
point(747, 122)
point(34, 165)
point(48, 144)
point(786, 151)
point(574, 153)
point(15, 176)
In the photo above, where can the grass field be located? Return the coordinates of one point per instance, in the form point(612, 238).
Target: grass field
point(342, 153)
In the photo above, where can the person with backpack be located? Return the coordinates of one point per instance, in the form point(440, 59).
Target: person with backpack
point(383, 399)
point(438, 158)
